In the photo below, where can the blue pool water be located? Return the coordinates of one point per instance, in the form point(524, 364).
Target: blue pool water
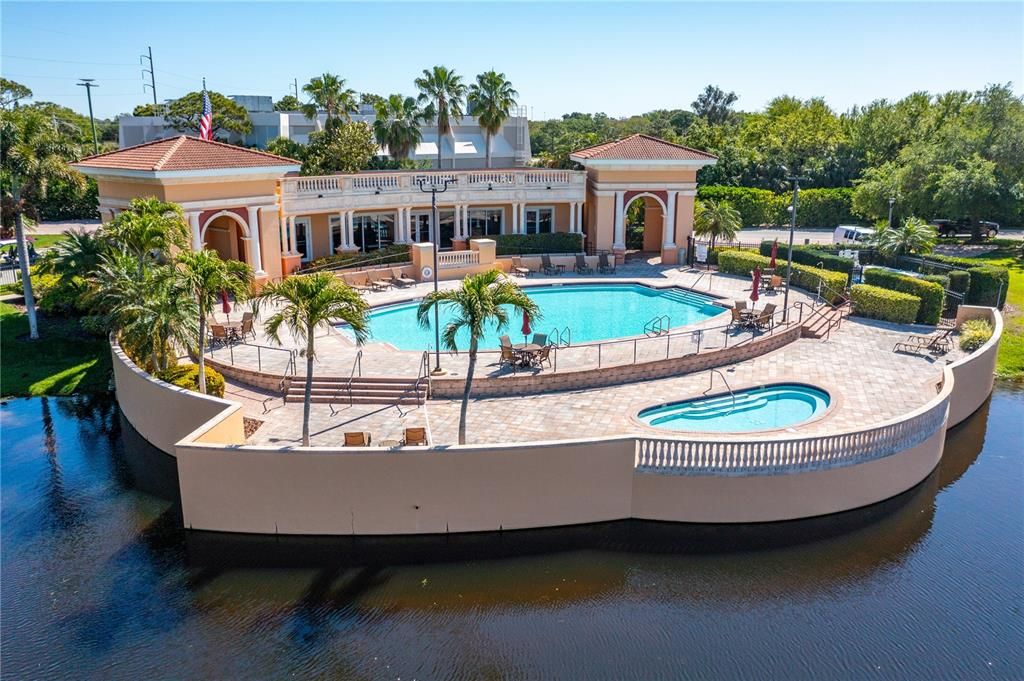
point(763, 408)
point(593, 313)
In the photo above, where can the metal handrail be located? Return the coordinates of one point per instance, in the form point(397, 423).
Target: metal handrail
point(656, 327)
point(357, 363)
point(711, 384)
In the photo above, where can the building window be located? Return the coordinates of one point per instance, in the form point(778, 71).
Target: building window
point(419, 231)
point(540, 220)
point(336, 227)
point(486, 221)
point(374, 231)
point(302, 238)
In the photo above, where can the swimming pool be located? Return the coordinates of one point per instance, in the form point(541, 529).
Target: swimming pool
point(591, 312)
point(763, 408)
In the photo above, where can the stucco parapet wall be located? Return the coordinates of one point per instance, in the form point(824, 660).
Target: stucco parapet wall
point(506, 386)
point(975, 373)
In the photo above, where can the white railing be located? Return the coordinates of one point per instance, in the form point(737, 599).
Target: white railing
point(407, 181)
point(450, 259)
point(781, 456)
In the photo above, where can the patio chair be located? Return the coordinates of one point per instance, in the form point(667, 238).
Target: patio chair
point(544, 355)
point(545, 264)
point(938, 343)
point(581, 265)
point(508, 356)
point(766, 318)
point(737, 316)
point(540, 339)
point(518, 270)
point(247, 328)
point(415, 437)
point(400, 279)
point(772, 283)
point(219, 334)
point(357, 439)
point(604, 266)
point(740, 306)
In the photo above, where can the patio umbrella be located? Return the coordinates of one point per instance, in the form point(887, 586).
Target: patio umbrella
point(775, 251)
point(757, 284)
point(225, 306)
point(526, 325)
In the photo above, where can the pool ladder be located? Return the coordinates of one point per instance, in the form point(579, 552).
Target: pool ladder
point(711, 384)
point(657, 326)
point(560, 339)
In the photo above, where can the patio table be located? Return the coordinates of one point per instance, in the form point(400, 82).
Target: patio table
point(525, 352)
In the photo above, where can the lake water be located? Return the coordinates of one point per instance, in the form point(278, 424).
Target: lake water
point(99, 582)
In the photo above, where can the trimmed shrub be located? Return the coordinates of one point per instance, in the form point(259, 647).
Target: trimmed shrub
point(959, 281)
point(931, 294)
point(825, 207)
point(988, 285)
point(974, 333)
point(390, 254)
point(57, 296)
point(881, 303)
point(527, 244)
point(807, 278)
point(807, 255)
point(187, 376)
point(755, 206)
point(940, 279)
point(94, 325)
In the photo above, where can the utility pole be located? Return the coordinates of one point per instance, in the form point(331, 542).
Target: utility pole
point(892, 200)
point(152, 78)
point(296, 88)
point(795, 179)
point(88, 84)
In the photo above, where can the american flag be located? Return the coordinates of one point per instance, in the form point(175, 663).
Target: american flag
point(206, 122)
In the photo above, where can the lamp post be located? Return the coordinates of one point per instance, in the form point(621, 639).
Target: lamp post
point(795, 179)
point(436, 228)
point(892, 201)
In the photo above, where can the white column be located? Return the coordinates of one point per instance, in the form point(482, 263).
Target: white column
point(620, 231)
point(572, 218)
point(350, 238)
point(513, 220)
point(464, 221)
point(193, 223)
point(255, 254)
point(293, 245)
point(668, 226)
point(522, 218)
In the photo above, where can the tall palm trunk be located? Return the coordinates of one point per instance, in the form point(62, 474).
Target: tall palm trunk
point(439, 145)
point(308, 398)
point(465, 391)
point(488, 150)
point(26, 278)
point(202, 351)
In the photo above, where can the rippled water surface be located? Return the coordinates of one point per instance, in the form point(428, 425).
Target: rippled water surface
point(99, 582)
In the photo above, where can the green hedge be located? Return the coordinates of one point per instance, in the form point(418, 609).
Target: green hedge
point(807, 278)
point(823, 207)
point(959, 281)
point(383, 256)
point(988, 285)
point(881, 303)
point(756, 206)
point(816, 208)
point(807, 255)
point(931, 294)
point(525, 244)
point(187, 376)
point(940, 279)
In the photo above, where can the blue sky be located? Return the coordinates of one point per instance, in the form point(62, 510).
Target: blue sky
point(620, 58)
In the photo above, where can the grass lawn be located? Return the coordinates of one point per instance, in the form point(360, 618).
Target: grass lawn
point(63, 361)
point(44, 240)
point(1010, 364)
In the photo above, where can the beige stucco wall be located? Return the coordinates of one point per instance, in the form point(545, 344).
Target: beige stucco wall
point(209, 190)
point(975, 374)
point(117, 189)
point(639, 177)
point(270, 242)
point(600, 221)
point(163, 414)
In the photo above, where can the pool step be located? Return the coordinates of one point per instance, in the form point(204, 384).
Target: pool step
point(358, 390)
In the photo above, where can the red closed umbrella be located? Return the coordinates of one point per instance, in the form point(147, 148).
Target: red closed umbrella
point(526, 324)
point(775, 251)
point(757, 284)
point(225, 306)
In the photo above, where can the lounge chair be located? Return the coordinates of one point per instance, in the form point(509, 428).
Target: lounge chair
point(766, 318)
point(357, 439)
point(377, 281)
point(581, 265)
point(549, 269)
point(540, 339)
point(359, 281)
point(400, 279)
point(415, 437)
point(938, 342)
point(518, 270)
point(604, 266)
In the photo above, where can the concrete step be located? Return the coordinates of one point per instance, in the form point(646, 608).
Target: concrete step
point(355, 400)
point(343, 393)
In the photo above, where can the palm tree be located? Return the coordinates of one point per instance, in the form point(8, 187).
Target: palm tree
point(443, 91)
point(149, 229)
point(205, 277)
point(78, 254)
point(307, 302)
point(717, 220)
point(491, 99)
point(32, 154)
point(397, 125)
point(147, 312)
point(328, 92)
point(913, 236)
point(481, 300)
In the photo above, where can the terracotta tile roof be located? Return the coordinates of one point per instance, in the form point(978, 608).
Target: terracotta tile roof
point(641, 148)
point(184, 153)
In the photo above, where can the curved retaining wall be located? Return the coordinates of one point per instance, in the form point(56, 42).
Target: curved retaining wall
point(974, 375)
point(228, 486)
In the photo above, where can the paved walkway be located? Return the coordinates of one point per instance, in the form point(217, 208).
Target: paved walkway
point(867, 381)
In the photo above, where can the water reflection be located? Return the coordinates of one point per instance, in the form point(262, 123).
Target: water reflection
point(101, 580)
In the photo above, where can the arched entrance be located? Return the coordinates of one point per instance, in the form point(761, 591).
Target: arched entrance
point(226, 233)
point(645, 223)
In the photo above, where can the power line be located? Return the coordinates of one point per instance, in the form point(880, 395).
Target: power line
point(27, 75)
point(66, 61)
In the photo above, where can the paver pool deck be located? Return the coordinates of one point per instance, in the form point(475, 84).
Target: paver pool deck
point(868, 382)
